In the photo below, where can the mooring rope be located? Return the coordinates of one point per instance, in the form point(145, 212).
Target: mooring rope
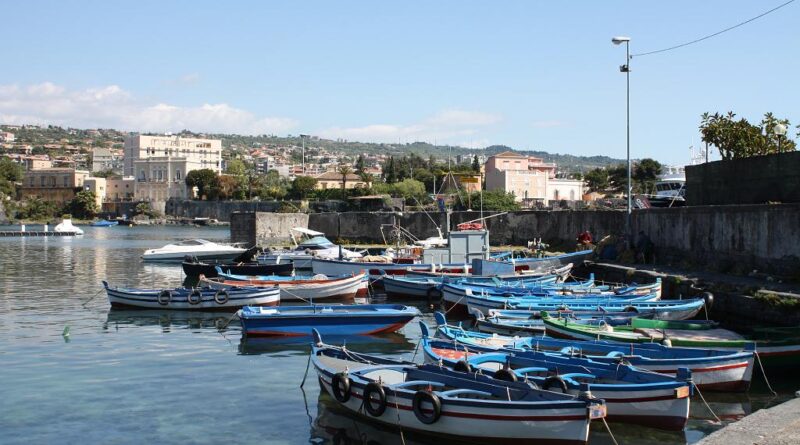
point(706, 404)
point(613, 439)
point(308, 365)
point(92, 297)
point(760, 365)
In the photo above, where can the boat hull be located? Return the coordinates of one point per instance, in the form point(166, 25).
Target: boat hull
point(209, 269)
point(304, 290)
point(180, 299)
point(332, 321)
point(487, 425)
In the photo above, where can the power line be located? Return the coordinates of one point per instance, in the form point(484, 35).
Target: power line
point(715, 34)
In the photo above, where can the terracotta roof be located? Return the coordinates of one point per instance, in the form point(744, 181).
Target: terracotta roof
point(508, 154)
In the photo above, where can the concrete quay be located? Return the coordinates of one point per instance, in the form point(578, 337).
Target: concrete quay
point(779, 425)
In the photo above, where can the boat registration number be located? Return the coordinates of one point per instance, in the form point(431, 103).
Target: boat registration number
point(597, 411)
point(682, 392)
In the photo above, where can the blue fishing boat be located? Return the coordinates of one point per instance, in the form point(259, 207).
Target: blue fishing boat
point(501, 322)
point(632, 395)
point(712, 369)
point(358, 319)
point(104, 223)
point(451, 405)
point(462, 299)
point(427, 285)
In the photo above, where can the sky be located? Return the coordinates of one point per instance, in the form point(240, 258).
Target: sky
point(528, 74)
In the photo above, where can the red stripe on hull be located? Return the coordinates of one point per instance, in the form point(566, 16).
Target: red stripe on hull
point(708, 369)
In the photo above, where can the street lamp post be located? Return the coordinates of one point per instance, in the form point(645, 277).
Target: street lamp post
point(780, 132)
point(627, 70)
point(303, 139)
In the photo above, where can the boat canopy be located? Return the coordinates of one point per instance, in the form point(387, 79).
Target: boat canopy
point(308, 232)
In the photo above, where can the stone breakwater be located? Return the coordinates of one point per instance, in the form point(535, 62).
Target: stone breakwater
point(725, 239)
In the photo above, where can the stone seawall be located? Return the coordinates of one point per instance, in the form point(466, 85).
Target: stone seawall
point(723, 238)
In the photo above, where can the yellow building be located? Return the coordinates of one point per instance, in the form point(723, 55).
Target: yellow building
point(333, 180)
point(57, 185)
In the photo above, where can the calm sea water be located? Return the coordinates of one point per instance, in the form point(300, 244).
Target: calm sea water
point(174, 377)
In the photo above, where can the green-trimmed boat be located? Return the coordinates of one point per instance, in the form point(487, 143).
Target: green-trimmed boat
point(776, 347)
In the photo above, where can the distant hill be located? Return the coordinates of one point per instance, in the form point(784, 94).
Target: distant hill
point(85, 138)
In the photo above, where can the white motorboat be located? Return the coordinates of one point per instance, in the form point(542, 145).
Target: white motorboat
point(313, 244)
point(197, 248)
point(65, 226)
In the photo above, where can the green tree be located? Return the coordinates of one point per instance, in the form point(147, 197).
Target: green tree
point(83, 205)
point(206, 181)
point(618, 178)
point(10, 170)
point(597, 180)
point(144, 208)
point(495, 200)
point(302, 187)
point(366, 178)
point(736, 139)
point(236, 167)
point(645, 173)
point(34, 208)
point(361, 165)
point(410, 189)
point(271, 186)
point(476, 166)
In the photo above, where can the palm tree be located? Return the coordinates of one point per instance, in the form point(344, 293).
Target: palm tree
point(344, 170)
point(366, 178)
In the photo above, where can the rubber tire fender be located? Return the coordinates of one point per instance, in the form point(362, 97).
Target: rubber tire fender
point(555, 380)
point(369, 390)
point(164, 297)
point(433, 294)
point(218, 296)
point(462, 366)
point(434, 400)
point(195, 293)
point(505, 375)
point(340, 387)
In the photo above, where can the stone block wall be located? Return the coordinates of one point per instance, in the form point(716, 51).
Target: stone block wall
point(754, 180)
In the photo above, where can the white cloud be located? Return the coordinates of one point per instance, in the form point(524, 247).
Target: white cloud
point(445, 126)
point(112, 107)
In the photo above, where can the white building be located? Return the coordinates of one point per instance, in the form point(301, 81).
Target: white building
point(160, 163)
point(103, 159)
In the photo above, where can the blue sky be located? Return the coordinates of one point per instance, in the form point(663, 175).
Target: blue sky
point(529, 74)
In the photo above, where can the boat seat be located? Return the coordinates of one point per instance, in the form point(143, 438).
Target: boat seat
point(412, 383)
point(463, 392)
point(570, 377)
point(387, 376)
point(530, 369)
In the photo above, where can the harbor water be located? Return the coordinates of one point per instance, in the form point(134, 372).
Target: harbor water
point(72, 370)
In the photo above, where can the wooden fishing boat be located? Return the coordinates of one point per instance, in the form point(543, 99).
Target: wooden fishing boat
point(195, 268)
point(374, 269)
point(775, 352)
point(498, 322)
point(359, 319)
point(307, 289)
point(462, 299)
point(712, 369)
point(426, 285)
point(561, 273)
point(631, 395)
point(193, 299)
point(452, 405)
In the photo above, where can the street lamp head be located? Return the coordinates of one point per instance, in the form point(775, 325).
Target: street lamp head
point(780, 129)
point(618, 40)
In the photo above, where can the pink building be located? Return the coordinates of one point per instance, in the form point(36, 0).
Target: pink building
point(530, 179)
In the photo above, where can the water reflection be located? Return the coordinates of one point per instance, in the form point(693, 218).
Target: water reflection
point(170, 319)
point(386, 344)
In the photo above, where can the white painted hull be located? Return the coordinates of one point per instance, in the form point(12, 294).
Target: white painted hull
point(344, 288)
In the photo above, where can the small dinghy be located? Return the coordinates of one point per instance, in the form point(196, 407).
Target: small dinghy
point(192, 299)
point(437, 401)
point(193, 267)
point(356, 319)
point(104, 223)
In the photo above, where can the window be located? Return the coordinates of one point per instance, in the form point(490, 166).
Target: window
point(66, 181)
point(177, 174)
point(555, 195)
point(42, 181)
point(142, 176)
point(572, 195)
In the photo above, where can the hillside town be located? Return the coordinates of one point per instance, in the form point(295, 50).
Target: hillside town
point(52, 166)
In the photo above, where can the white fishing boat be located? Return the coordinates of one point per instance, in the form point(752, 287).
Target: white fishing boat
point(312, 245)
point(196, 248)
